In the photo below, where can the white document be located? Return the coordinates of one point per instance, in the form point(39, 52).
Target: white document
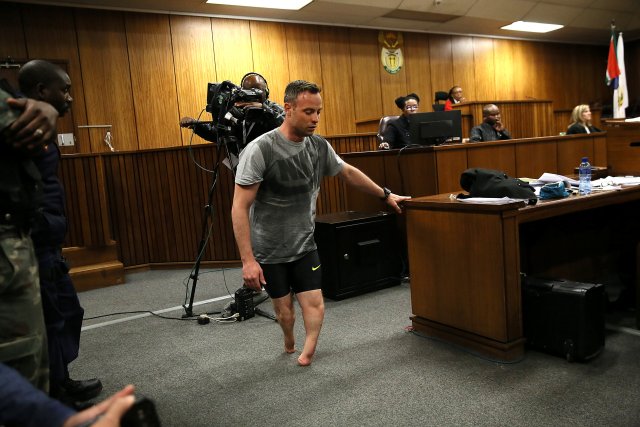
point(552, 177)
point(491, 200)
point(615, 182)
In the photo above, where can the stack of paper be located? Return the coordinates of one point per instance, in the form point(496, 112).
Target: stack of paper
point(547, 178)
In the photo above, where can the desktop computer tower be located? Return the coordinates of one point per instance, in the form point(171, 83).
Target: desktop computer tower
point(563, 317)
point(359, 252)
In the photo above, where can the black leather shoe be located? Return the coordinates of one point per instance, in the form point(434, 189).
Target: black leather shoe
point(82, 390)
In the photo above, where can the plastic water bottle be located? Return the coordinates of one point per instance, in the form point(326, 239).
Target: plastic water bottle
point(584, 173)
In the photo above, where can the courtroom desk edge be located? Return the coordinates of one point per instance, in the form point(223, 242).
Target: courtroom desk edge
point(348, 135)
point(199, 146)
point(445, 202)
point(618, 122)
point(528, 213)
point(534, 139)
point(554, 207)
point(457, 145)
point(394, 151)
point(496, 102)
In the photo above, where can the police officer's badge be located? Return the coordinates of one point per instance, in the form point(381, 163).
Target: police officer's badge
point(391, 53)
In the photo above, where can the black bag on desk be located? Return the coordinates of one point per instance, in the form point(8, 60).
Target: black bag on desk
point(563, 317)
point(492, 183)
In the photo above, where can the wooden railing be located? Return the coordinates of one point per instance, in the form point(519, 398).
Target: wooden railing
point(152, 202)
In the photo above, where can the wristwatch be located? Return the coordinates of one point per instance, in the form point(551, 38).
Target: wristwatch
point(386, 193)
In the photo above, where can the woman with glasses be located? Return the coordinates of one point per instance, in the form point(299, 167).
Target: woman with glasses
point(455, 97)
point(397, 133)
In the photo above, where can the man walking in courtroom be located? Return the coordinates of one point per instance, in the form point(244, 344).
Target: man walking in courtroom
point(277, 184)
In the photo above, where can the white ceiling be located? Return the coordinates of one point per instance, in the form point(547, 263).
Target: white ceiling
point(586, 21)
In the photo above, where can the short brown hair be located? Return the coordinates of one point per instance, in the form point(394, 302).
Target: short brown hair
point(297, 87)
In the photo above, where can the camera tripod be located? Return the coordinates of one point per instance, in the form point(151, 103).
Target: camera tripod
point(224, 141)
point(208, 214)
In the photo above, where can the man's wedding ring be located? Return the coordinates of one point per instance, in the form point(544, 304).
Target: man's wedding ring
point(38, 133)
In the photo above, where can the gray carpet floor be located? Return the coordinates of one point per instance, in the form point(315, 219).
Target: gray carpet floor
point(369, 369)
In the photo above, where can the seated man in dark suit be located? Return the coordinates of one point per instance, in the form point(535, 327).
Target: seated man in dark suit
point(491, 128)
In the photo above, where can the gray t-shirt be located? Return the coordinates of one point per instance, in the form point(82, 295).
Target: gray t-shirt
point(283, 214)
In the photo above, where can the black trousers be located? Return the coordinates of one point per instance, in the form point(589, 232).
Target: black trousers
point(62, 314)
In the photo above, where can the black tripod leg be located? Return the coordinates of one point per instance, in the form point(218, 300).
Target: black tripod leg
point(208, 212)
point(261, 312)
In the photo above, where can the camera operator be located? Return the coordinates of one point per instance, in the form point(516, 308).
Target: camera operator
point(257, 117)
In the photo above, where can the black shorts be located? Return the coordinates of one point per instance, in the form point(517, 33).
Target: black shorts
point(298, 276)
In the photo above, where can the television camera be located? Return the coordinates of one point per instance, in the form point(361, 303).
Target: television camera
point(225, 103)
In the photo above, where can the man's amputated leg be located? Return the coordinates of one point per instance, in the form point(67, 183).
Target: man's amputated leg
point(312, 305)
point(286, 316)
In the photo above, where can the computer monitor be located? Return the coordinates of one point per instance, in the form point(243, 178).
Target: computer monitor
point(435, 128)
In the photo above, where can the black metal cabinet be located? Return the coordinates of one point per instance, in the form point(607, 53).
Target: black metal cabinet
point(359, 252)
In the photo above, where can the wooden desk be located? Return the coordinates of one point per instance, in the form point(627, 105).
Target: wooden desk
point(432, 170)
point(623, 146)
point(466, 260)
point(522, 118)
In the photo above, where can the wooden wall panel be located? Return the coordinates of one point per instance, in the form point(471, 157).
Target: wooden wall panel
point(505, 73)
point(561, 120)
point(502, 158)
point(541, 70)
point(417, 64)
point(441, 63)
point(266, 38)
point(569, 155)
point(585, 84)
point(106, 78)
point(192, 43)
point(484, 64)
point(463, 66)
point(450, 165)
point(524, 69)
point(303, 53)
point(534, 157)
point(177, 52)
point(12, 42)
point(86, 202)
point(232, 47)
point(338, 113)
point(365, 64)
point(153, 80)
point(42, 43)
point(126, 208)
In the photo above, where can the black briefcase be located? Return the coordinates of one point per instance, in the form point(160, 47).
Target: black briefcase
point(563, 317)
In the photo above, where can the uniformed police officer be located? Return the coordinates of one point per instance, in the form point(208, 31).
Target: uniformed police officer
point(63, 314)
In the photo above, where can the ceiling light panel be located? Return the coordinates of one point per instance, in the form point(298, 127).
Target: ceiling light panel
point(279, 4)
point(532, 27)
